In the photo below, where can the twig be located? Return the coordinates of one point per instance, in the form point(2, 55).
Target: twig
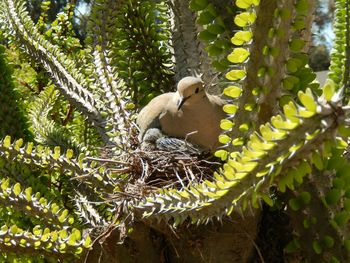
point(178, 177)
point(105, 160)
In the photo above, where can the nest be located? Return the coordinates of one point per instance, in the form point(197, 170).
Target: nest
point(139, 173)
point(162, 169)
point(149, 170)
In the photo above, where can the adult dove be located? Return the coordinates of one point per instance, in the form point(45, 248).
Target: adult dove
point(190, 113)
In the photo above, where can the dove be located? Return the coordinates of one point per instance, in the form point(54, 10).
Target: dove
point(149, 115)
point(189, 113)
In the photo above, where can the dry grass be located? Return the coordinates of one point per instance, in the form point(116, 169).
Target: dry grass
point(140, 172)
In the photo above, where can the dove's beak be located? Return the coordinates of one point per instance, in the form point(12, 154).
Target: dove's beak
point(182, 101)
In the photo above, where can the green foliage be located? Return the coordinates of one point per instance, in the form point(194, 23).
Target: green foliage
point(338, 72)
point(217, 27)
point(282, 129)
point(134, 22)
point(12, 118)
point(45, 130)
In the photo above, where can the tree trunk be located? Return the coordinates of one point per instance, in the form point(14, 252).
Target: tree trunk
point(231, 241)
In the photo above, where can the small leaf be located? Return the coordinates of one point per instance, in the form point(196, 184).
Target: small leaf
point(7, 141)
point(213, 50)
point(284, 13)
point(224, 139)
point(62, 217)
point(57, 153)
point(78, 251)
point(69, 154)
point(317, 160)
point(289, 82)
point(267, 199)
point(54, 208)
point(241, 37)
point(236, 74)
point(307, 100)
point(3, 230)
point(71, 240)
point(205, 35)
point(37, 230)
point(205, 18)
point(294, 204)
point(29, 147)
point(14, 230)
point(305, 198)
point(293, 64)
point(342, 218)
point(333, 196)
point(245, 4)
point(327, 242)
point(215, 29)
point(317, 247)
point(243, 127)
point(279, 123)
point(339, 183)
point(328, 90)
point(291, 112)
point(292, 246)
point(62, 248)
point(43, 201)
point(238, 55)
point(71, 220)
point(237, 141)
point(226, 125)
point(245, 19)
point(81, 160)
point(87, 242)
point(299, 23)
point(296, 45)
point(233, 91)
point(54, 236)
point(28, 193)
point(37, 244)
point(230, 108)
point(5, 184)
point(222, 154)
point(63, 234)
point(302, 6)
point(17, 189)
point(198, 5)
point(18, 144)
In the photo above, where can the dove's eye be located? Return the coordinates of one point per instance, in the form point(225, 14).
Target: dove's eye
point(197, 90)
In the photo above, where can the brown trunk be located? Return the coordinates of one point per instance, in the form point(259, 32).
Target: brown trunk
point(231, 241)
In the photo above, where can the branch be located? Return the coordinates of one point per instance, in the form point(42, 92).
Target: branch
point(63, 244)
point(270, 63)
point(61, 68)
point(248, 174)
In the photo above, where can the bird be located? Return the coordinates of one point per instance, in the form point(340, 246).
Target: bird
point(149, 141)
point(190, 113)
point(154, 139)
point(149, 115)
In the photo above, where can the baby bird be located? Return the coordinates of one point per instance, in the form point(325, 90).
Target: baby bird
point(190, 114)
point(154, 139)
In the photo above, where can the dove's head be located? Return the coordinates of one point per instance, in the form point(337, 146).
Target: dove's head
point(189, 89)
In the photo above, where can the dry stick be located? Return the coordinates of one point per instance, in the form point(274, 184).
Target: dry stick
point(256, 247)
point(105, 160)
point(178, 177)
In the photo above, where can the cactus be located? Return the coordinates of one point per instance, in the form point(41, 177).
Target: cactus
point(284, 140)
